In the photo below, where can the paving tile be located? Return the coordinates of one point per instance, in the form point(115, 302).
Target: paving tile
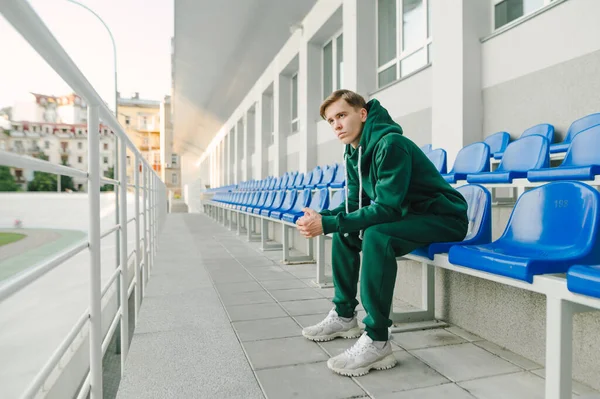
point(522, 385)
point(283, 352)
point(282, 284)
point(296, 294)
point(326, 292)
point(409, 373)
point(303, 272)
point(578, 387)
point(226, 276)
point(291, 382)
point(254, 330)
point(444, 391)
point(246, 298)
point(426, 339)
point(464, 362)
point(310, 320)
point(309, 306)
point(255, 311)
point(508, 355)
point(270, 273)
point(245, 286)
point(464, 334)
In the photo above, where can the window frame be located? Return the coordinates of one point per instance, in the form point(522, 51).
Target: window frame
point(334, 55)
point(516, 21)
point(294, 121)
point(401, 55)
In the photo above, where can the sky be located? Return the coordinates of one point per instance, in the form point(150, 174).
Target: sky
point(142, 30)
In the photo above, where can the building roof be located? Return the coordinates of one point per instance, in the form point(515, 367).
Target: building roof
point(138, 102)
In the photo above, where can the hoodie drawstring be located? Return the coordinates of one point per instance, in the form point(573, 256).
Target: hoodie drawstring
point(360, 234)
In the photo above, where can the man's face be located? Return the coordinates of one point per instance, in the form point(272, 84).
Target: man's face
point(346, 122)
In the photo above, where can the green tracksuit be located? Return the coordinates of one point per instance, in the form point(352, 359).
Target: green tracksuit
point(404, 204)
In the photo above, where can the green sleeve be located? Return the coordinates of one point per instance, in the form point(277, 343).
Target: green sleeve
point(393, 178)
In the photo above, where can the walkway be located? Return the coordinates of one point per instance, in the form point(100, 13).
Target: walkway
point(223, 320)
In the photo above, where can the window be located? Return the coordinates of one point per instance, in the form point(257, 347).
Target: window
point(174, 178)
point(173, 159)
point(506, 11)
point(128, 160)
point(80, 159)
point(79, 146)
point(105, 160)
point(127, 121)
point(105, 146)
point(46, 144)
point(403, 38)
point(333, 59)
point(295, 119)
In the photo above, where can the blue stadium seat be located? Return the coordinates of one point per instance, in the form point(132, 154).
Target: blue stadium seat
point(521, 156)
point(582, 161)
point(298, 181)
point(317, 177)
point(585, 280)
point(551, 228)
point(479, 212)
point(576, 127)
point(474, 158)
point(328, 176)
point(304, 200)
point(543, 129)
point(288, 204)
point(277, 202)
point(291, 180)
point(268, 203)
point(497, 142)
point(340, 177)
point(438, 158)
point(426, 148)
point(261, 202)
point(283, 183)
point(252, 203)
point(336, 199)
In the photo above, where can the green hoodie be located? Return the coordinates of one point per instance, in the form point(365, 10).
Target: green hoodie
point(396, 178)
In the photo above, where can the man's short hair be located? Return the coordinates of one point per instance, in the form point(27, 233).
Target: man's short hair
point(353, 99)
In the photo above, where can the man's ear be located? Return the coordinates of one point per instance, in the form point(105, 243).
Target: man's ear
point(363, 114)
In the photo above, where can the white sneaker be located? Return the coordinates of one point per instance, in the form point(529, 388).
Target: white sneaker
point(362, 357)
point(332, 327)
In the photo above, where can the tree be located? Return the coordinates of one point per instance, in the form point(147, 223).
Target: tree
point(7, 180)
point(66, 182)
point(42, 181)
point(110, 173)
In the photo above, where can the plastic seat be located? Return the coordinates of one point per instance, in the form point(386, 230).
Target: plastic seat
point(576, 127)
point(479, 212)
point(328, 176)
point(584, 280)
point(497, 142)
point(582, 161)
point(551, 228)
point(268, 202)
point(339, 180)
point(317, 177)
point(255, 197)
point(303, 200)
point(261, 202)
point(248, 197)
point(308, 177)
point(520, 157)
point(426, 148)
point(277, 202)
point(336, 199)
point(298, 181)
point(543, 129)
point(288, 204)
point(291, 180)
point(438, 158)
point(474, 158)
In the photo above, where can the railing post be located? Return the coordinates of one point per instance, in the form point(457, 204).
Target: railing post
point(94, 249)
point(124, 254)
point(150, 219)
point(138, 255)
point(145, 202)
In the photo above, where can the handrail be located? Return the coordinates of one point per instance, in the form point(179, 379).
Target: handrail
point(110, 231)
point(111, 280)
point(57, 355)
point(40, 165)
point(106, 180)
point(28, 276)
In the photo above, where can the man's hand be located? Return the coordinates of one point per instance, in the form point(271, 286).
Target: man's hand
point(310, 224)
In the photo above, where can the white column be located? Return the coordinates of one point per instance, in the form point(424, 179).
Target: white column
point(248, 118)
point(260, 161)
point(360, 46)
point(457, 105)
point(309, 89)
point(281, 89)
point(235, 146)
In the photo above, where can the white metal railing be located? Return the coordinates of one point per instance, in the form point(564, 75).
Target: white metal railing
point(147, 187)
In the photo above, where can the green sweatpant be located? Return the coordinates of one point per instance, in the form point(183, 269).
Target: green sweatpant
point(381, 244)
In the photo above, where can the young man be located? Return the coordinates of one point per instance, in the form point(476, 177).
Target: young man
point(397, 201)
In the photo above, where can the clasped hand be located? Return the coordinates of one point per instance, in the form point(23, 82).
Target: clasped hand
point(310, 224)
